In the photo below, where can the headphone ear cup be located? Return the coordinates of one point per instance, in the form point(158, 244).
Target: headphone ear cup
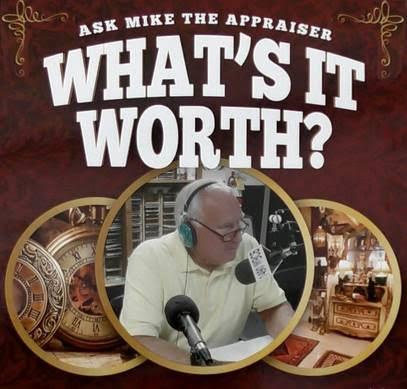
point(187, 234)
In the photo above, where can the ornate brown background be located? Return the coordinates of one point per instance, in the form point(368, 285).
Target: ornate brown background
point(42, 161)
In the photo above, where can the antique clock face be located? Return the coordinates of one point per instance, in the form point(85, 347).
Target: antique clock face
point(39, 292)
point(84, 323)
point(30, 295)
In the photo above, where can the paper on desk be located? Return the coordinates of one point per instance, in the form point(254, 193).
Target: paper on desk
point(240, 350)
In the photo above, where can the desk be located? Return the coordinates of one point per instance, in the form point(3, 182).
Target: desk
point(359, 319)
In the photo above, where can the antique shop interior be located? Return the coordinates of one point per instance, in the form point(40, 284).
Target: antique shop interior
point(351, 295)
point(149, 213)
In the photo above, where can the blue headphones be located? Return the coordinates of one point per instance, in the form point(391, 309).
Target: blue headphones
point(186, 230)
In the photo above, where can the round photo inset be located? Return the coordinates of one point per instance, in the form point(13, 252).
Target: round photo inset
point(51, 292)
point(355, 295)
point(205, 271)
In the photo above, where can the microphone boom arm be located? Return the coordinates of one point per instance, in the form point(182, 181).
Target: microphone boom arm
point(276, 258)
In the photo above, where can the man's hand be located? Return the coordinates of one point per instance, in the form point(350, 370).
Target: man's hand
point(164, 349)
point(277, 318)
point(169, 351)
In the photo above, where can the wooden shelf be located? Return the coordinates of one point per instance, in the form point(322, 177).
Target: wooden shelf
point(146, 214)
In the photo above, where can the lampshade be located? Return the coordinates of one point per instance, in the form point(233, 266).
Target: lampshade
point(344, 265)
point(322, 261)
point(344, 269)
point(381, 267)
point(380, 272)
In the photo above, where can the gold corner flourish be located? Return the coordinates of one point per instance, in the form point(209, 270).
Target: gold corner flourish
point(388, 24)
point(17, 24)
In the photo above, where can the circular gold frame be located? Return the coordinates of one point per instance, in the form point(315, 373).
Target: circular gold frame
point(320, 371)
point(100, 281)
point(8, 284)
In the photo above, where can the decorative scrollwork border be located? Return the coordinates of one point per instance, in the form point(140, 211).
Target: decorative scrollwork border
point(388, 24)
point(17, 24)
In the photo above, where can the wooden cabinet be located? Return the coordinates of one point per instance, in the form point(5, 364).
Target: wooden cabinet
point(359, 319)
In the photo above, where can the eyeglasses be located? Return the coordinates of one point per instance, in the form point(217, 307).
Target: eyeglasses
point(228, 236)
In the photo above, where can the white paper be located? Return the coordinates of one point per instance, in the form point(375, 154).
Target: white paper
point(240, 350)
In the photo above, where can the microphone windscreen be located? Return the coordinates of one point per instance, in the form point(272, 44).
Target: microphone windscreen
point(179, 305)
point(244, 273)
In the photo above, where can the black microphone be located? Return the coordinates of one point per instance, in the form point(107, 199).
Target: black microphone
point(244, 272)
point(183, 315)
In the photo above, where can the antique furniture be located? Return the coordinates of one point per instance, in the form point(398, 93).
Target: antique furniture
point(362, 319)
